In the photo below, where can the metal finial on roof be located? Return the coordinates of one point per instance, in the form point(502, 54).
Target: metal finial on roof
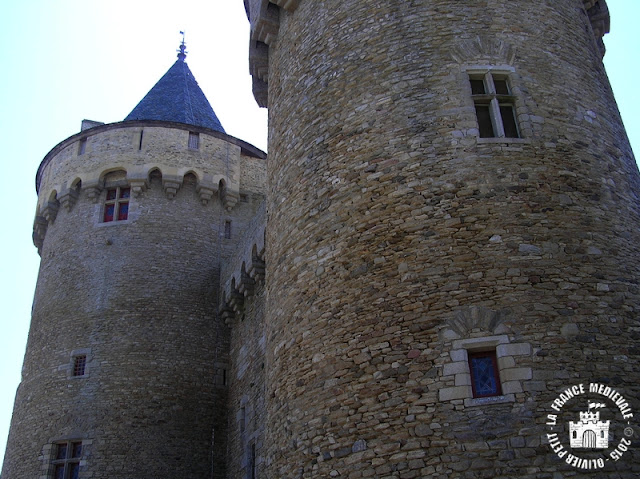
point(182, 52)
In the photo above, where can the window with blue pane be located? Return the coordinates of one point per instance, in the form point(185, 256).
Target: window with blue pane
point(485, 380)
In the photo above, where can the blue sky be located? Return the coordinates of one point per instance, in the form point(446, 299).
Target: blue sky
point(67, 60)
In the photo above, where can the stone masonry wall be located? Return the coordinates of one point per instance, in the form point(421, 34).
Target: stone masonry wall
point(119, 146)
point(399, 241)
point(246, 417)
point(139, 298)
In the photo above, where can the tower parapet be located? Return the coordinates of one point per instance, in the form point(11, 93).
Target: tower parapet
point(138, 148)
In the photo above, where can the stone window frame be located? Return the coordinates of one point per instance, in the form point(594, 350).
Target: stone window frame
point(72, 455)
point(194, 140)
point(50, 452)
point(511, 375)
point(497, 96)
point(105, 184)
point(495, 372)
point(122, 197)
point(70, 366)
point(242, 418)
point(523, 118)
point(252, 459)
point(79, 367)
point(248, 436)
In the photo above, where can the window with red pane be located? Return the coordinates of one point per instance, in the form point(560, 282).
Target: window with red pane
point(116, 206)
point(66, 463)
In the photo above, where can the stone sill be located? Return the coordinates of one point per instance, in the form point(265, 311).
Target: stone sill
point(507, 398)
point(503, 141)
point(113, 223)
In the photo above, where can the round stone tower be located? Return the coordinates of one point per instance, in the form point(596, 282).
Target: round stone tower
point(452, 238)
point(125, 370)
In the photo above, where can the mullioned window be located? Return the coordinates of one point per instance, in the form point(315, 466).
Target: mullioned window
point(495, 105)
point(116, 205)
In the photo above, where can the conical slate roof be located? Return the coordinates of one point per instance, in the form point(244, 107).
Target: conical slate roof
point(178, 98)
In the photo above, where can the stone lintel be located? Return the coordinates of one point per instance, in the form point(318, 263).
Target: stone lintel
point(477, 344)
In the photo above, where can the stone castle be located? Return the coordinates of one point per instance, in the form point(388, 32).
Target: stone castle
point(444, 236)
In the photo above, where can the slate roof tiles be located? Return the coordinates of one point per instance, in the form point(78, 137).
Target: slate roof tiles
point(177, 98)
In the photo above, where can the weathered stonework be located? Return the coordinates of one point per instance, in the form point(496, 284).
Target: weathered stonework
point(398, 240)
point(138, 298)
point(315, 316)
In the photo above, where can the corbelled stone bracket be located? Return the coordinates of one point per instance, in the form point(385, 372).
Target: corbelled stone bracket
point(93, 189)
point(230, 199)
point(234, 302)
point(39, 231)
point(68, 198)
point(259, 60)
point(138, 181)
point(206, 189)
point(50, 210)
point(265, 20)
point(256, 269)
point(171, 185)
point(226, 314)
point(600, 20)
point(138, 186)
point(264, 16)
point(289, 5)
